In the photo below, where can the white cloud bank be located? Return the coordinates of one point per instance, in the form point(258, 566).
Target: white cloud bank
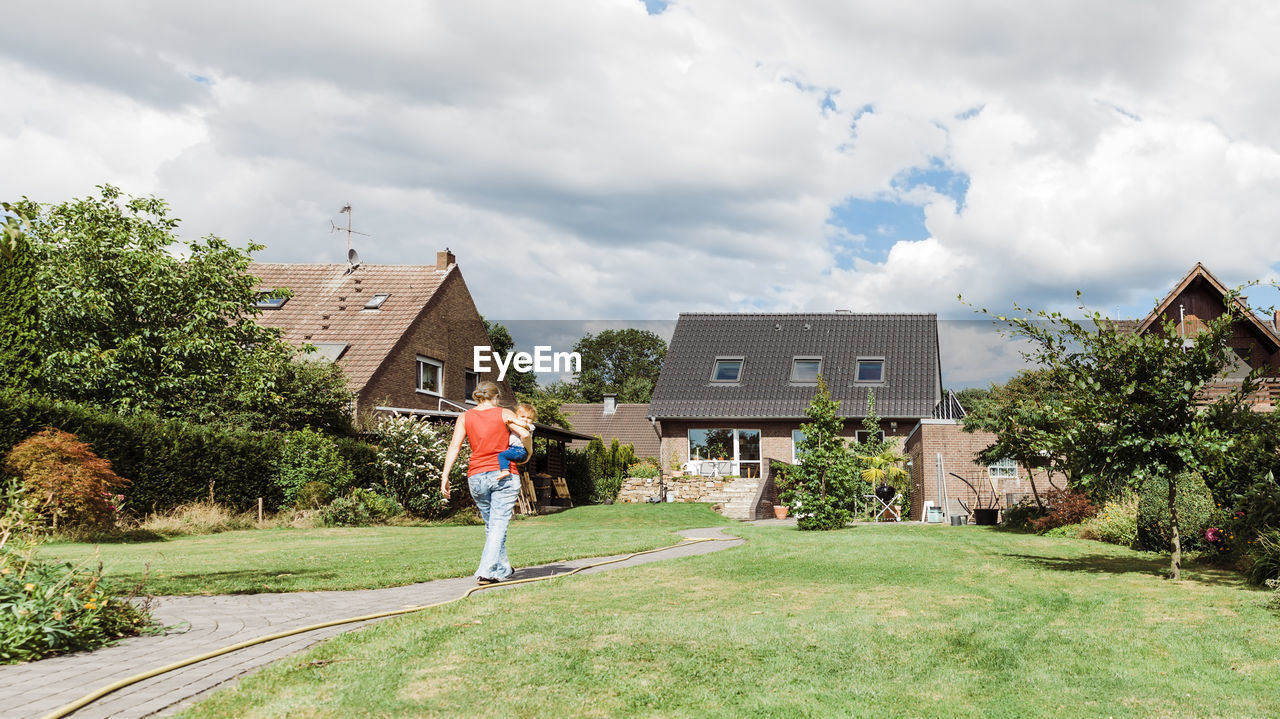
point(623, 165)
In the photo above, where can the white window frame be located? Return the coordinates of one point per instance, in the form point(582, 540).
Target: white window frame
point(374, 303)
point(796, 436)
point(996, 469)
point(715, 369)
point(797, 359)
point(857, 370)
point(858, 434)
point(428, 362)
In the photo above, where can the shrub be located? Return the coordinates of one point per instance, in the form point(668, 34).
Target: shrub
point(607, 489)
point(197, 518)
point(313, 495)
point(72, 484)
point(411, 454)
point(1065, 507)
point(1020, 515)
point(48, 608)
point(1195, 513)
point(643, 470)
point(1117, 523)
point(582, 485)
point(359, 508)
point(309, 456)
point(1266, 557)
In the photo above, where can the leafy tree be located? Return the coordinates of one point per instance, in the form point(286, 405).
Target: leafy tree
point(548, 407)
point(1133, 405)
point(623, 362)
point(1028, 418)
point(973, 398)
point(500, 341)
point(19, 309)
point(821, 489)
point(132, 319)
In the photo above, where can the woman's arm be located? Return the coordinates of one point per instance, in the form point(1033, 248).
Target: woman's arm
point(459, 431)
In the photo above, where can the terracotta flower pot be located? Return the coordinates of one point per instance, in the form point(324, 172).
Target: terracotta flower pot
point(780, 511)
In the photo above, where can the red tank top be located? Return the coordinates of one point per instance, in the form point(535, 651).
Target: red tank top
point(488, 435)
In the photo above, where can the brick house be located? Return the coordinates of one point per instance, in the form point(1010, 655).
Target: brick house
point(734, 389)
point(624, 421)
point(403, 334)
point(1199, 297)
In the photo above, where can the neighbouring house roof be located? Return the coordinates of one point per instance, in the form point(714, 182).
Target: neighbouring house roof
point(629, 423)
point(767, 343)
point(1202, 273)
point(327, 308)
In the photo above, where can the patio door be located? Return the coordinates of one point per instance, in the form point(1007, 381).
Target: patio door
point(739, 446)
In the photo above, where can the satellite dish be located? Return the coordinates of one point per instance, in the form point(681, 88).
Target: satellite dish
point(353, 257)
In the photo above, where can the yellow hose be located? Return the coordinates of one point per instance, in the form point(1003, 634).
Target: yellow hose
point(96, 695)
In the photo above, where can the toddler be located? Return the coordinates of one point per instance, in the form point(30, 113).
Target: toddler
point(520, 442)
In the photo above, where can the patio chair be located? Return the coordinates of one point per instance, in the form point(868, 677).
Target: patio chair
point(707, 469)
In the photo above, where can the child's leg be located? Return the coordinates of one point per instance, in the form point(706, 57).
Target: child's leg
point(511, 454)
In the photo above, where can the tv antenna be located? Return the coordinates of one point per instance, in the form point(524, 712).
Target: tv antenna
point(346, 209)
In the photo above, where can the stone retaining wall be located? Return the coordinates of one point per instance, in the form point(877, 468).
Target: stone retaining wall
point(679, 489)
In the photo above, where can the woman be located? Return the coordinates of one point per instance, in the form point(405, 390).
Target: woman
point(485, 427)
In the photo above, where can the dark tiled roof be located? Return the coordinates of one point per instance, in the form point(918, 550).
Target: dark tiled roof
point(768, 342)
point(630, 424)
point(328, 307)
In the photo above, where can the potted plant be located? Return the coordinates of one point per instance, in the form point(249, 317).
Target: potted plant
point(780, 511)
point(883, 470)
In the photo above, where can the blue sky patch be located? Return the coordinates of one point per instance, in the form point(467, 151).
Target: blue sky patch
point(938, 176)
point(200, 79)
point(881, 222)
point(655, 7)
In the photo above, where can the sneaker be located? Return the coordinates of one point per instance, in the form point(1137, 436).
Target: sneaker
point(487, 580)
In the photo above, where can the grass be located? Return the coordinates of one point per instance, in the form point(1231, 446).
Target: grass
point(871, 621)
point(289, 560)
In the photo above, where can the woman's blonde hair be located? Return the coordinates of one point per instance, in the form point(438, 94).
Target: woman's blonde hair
point(485, 391)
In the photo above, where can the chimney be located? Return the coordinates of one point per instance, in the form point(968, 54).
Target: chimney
point(444, 259)
point(1275, 320)
point(610, 404)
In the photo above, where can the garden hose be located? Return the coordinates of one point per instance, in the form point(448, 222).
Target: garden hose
point(104, 691)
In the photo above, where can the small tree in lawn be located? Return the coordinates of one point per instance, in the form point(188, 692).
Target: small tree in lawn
point(1133, 405)
point(820, 489)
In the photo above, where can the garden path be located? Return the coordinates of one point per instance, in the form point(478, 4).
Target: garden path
point(202, 624)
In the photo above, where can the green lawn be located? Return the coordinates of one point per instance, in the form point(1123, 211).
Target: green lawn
point(289, 560)
point(876, 621)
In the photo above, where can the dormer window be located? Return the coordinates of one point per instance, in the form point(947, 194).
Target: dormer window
point(805, 370)
point(727, 369)
point(375, 302)
point(870, 369)
point(266, 302)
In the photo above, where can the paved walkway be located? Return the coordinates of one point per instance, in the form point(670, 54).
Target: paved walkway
point(203, 624)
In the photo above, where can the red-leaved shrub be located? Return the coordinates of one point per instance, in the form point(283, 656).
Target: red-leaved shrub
point(1065, 507)
point(71, 484)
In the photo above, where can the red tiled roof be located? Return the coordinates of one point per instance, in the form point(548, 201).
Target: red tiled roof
point(328, 306)
point(630, 424)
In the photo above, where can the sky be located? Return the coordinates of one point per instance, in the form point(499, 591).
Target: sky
point(626, 160)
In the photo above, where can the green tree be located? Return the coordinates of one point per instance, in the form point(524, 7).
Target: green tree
point(822, 487)
point(973, 398)
point(500, 341)
point(131, 318)
point(1028, 418)
point(19, 308)
point(1134, 406)
point(622, 362)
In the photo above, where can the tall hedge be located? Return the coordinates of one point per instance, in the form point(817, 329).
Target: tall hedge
point(1195, 512)
point(167, 461)
point(19, 302)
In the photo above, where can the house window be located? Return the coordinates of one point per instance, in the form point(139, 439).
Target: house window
point(797, 437)
point(266, 302)
point(375, 302)
point(737, 450)
point(805, 370)
point(430, 375)
point(728, 369)
point(862, 436)
point(870, 369)
point(1003, 469)
point(473, 379)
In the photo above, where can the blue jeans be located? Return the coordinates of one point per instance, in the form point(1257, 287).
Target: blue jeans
point(496, 500)
point(515, 453)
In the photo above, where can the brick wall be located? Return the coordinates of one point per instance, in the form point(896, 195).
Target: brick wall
point(935, 437)
point(447, 330)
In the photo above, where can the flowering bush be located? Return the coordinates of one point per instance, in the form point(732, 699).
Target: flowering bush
point(411, 454)
point(643, 470)
point(1117, 523)
point(48, 608)
point(73, 486)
